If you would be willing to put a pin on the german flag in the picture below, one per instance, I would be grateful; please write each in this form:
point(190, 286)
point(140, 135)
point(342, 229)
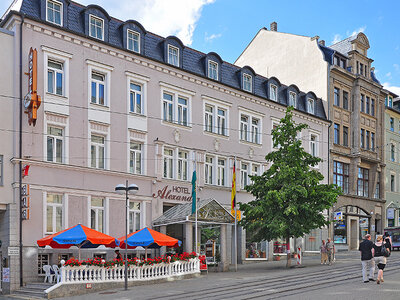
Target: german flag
point(233, 195)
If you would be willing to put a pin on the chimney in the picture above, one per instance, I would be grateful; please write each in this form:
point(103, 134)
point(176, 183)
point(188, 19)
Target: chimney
point(274, 26)
point(322, 42)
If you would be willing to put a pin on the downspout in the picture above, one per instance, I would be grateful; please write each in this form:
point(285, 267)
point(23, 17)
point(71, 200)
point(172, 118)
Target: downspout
point(21, 282)
point(329, 143)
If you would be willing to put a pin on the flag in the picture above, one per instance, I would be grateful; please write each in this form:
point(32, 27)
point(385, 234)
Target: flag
point(233, 195)
point(194, 192)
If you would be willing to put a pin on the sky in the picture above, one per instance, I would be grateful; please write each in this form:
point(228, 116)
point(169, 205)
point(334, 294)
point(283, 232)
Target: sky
point(228, 26)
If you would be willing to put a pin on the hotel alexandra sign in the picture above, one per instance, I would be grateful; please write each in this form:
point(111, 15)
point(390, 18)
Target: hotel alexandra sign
point(32, 100)
point(177, 193)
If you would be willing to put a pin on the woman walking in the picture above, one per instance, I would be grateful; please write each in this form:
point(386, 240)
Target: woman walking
point(324, 253)
point(380, 260)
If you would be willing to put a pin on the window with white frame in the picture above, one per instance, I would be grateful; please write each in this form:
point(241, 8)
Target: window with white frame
point(135, 157)
point(254, 124)
point(244, 175)
point(214, 114)
point(221, 171)
point(255, 130)
point(255, 170)
point(97, 151)
point(247, 82)
point(313, 145)
point(97, 215)
point(209, 117)
point(133, 41)
point(55, 77)
point(134, 216)
point(273, 91)
point(54, 12)
point(135, 98)
point(183, 165)
point(221, 121)
point(209, 170)
point(168, 163)
point(54, 213)
point(275, 125)
point(244, 127)
point(55, 144)
point(176, 108)
point(98, 82)
point(96, 27)
point(173, 55)
point(310, 106)
point(168, 107)
point(212, 70)
point(182, 111)
point(292, 99)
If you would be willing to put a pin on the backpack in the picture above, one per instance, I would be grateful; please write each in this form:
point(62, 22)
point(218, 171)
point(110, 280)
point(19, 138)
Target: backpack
point(385, 251)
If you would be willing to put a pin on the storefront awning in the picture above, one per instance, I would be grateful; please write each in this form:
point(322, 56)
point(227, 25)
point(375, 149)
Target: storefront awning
point(209, 211)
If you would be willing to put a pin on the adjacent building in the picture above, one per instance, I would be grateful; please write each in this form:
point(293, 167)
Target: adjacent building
point(343, 75)
point(121, 103)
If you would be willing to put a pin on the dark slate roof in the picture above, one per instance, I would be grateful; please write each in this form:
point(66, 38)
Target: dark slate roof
point(374, 78)
point(328, 53)
point(192, 61)
point(344, 46)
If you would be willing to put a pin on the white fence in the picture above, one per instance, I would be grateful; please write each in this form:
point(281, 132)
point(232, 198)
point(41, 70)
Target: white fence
point(93, 274)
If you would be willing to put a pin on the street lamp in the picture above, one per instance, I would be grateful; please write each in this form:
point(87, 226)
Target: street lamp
point(125, 189)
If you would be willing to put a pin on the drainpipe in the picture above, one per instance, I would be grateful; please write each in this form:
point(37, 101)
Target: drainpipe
point(21, 282)
point(329, 145)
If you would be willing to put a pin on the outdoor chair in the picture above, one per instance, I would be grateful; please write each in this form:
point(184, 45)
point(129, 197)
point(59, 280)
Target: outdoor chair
point(48, 275)
point(57, 273)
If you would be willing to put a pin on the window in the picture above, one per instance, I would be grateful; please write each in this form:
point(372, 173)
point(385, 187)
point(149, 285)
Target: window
point(362, 182)
point(336, 136)
point(1, 170)
point(362, 103)
point(372, 107)
point(221, 122)
point(310, 106)
point(255, 130)
point(54, 10)
point(367, 140)
point(97, 150)
point(391, 124)
point(97, 213)
point(252, 135)
point(98, 84)
point(135, 98)
point(244, 175)
point(362, 135)
point(173, 56)
point(168, 163)
point(209, 178)
point(54, 213)
point(55, 141)
point(43, 259)
point(209, 118)
point(183, 165)
point(367, 105)
point(182, 111)
point(55, 74)
point(372, 141)
point(292, 99)
point(133, 41)
point(212, 70)
point(247, 82)
point(343, 63)
point(336, 100)
point(345, 136)
point(390, 101)
point(134, 216)
point(135, 157)
point(168, 107)
point(392, 154)
point(392, 183)
point(341, 175)
point(221, 172)
point(273, 92)
point(176, 108)
point(96, 28)
point(313, 145)
point(378, 186)
point(345, 100)
point(244, 127)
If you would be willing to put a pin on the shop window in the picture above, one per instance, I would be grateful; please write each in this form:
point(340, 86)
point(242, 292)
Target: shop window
point(340, 231)
point(43, 259)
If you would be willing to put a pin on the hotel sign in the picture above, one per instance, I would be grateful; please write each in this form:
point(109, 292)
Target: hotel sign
point(177, 193)
point(32, 100)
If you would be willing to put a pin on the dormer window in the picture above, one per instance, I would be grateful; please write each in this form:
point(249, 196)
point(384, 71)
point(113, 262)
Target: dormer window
point(212, 70)
point(310, 106)
point(53, 12)
point(247, 83)
point(273, 92)
point(96, 28)
point(133, 41)
point(292, 99)
point(173, 55)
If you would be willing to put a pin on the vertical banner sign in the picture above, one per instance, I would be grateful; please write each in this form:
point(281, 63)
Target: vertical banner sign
point(32, 100)
point(25, 202)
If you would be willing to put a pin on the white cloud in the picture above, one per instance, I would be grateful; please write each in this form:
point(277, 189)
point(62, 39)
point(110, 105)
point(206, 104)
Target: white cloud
point(337, 38)
point(394, 89)
point(357, 31)
point(389, 74)
point(210, 38)
point(172, 17)
point(396, 67)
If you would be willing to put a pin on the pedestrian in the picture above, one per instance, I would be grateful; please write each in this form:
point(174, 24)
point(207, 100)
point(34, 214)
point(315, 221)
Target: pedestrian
point(330, 247)
point(324, 254)
point(380, 260)
point(367, 260)
point(387, 240)
point(118, 255)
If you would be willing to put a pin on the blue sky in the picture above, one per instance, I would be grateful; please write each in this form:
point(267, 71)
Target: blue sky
point(227, 26)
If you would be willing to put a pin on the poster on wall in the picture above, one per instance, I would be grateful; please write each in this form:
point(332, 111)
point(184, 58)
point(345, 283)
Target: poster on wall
point(390, 213)
point(6, 274)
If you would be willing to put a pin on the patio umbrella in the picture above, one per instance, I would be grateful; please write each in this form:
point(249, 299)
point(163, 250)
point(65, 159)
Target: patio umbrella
point(80, 236)
point(148, 238)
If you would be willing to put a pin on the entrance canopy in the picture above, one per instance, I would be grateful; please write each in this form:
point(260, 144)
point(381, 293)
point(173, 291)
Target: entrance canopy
point(209, 211)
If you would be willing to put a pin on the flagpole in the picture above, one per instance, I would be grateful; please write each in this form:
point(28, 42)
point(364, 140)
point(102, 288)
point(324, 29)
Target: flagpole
point(236, 247)
point(195, 226)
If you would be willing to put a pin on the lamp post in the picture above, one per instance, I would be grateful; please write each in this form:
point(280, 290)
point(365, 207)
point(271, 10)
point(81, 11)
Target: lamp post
point(131, 189)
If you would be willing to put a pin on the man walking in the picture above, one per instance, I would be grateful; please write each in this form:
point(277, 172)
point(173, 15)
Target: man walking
point(367, 260)
point(330, 247)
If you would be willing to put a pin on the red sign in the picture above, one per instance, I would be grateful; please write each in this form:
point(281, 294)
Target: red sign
point(203, 263)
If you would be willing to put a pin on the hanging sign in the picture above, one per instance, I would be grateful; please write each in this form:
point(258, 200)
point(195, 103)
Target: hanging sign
point(338, 216)
point(32, 100)
point(25, 199)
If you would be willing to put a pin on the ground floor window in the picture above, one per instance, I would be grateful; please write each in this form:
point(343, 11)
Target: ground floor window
point(255, 250)
point(43, 259)
point(280, 246)
point(364, 227)
point(340, 231)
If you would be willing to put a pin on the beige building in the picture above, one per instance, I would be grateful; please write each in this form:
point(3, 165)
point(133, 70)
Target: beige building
point(341, 73)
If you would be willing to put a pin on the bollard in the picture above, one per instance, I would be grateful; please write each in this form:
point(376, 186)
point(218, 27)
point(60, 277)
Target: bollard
point(299, 256)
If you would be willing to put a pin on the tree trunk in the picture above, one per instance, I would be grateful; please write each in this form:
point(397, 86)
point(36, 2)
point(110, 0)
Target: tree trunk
point(288, 259)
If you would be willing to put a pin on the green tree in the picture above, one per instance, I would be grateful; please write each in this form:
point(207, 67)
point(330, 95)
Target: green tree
point(289, 197)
